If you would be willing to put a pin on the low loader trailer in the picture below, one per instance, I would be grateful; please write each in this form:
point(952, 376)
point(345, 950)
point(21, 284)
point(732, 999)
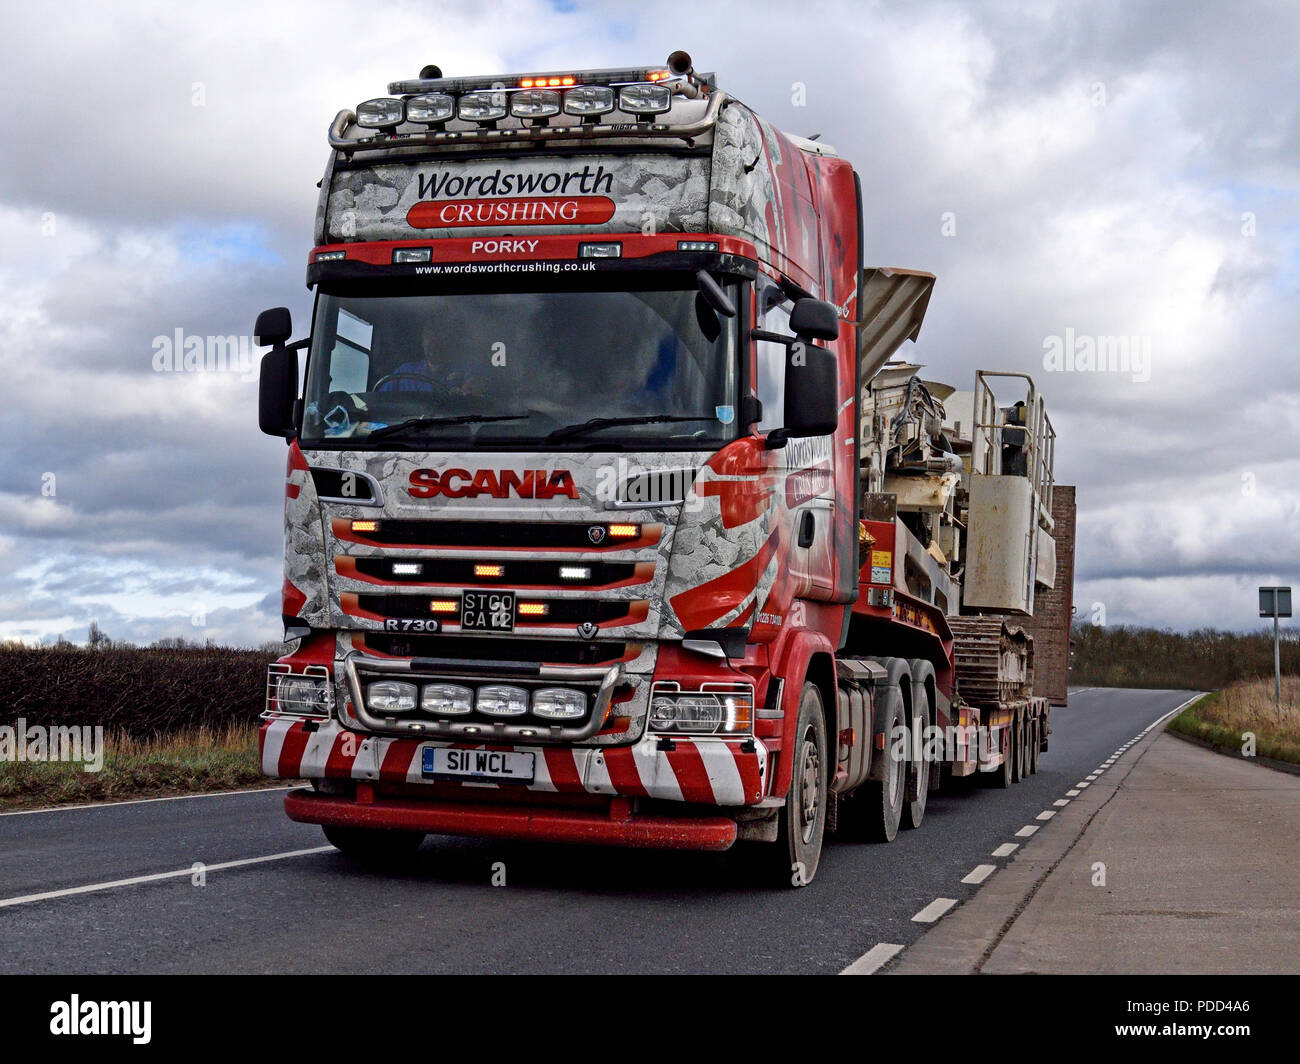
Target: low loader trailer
point(609, 515)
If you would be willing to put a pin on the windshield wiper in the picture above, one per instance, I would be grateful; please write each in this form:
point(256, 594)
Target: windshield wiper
point(569, 432)
point(453, 419)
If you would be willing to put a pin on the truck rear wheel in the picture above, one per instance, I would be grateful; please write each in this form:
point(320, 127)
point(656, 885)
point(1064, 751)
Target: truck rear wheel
point(919, 768)
point(803, 820)
point(882, 800)
point(374, 845)
point(1035, 739)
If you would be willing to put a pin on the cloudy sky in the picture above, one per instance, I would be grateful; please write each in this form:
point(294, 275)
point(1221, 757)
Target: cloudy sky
point(1090, 170)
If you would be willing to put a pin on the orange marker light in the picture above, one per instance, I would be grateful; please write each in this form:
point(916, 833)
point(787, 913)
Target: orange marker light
point(443, 606)
point(624, 530)
point(533, 609)
point(489, 570)
point(365, 526)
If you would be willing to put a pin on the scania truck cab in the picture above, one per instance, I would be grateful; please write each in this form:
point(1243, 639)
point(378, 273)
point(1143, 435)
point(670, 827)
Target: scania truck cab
point(574, 486)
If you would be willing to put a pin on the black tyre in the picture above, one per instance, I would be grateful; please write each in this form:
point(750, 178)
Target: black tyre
point(881, 801)
point(1020, 762)
point(919, 768)
point(1034, 742)
point(1002, 777)
point(798, 848)
point(374, 845)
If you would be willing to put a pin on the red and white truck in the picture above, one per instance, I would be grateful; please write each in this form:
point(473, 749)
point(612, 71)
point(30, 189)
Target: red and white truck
point(608, 518)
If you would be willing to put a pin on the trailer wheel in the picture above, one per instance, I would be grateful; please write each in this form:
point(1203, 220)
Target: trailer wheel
point(803, 820)
point(1020, 763)
point(1034, 740)
point(374, 845)
point(1003, 777)
point(919, 768)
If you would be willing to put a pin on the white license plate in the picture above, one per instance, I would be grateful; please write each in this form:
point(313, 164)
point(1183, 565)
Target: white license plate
point(493, 611)
point(493, 766)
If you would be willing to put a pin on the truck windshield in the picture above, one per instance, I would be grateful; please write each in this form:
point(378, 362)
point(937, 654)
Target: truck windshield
point(585, 368)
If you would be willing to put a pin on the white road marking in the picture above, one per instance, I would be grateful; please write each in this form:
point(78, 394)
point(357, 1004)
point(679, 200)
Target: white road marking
point(1046, 814)
point(1006, 849)
point(1026, 831)
point(934, 910)
point(979, 873)
point(1074, 792)
point(871, 961)
point(90, 888)
point(1061, 801)
point(145, 801)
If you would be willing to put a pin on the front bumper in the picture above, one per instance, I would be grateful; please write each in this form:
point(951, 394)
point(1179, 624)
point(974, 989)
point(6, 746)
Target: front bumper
point(612, 828)
point(702, 771)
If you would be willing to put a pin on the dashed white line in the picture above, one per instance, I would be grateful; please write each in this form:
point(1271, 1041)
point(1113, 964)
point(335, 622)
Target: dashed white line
point(1046, 814)
point(1026, 831)
point(1062, 801)
point(1074, 792)
point(979, 873)
point(1006, 849)
point(90, 888)
point(934, 910)
point(871, 961)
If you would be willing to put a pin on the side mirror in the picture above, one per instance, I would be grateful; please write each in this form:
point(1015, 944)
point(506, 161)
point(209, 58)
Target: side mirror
point(274, 327)
point(813, 319)
point(278, 391)
point(812, 402)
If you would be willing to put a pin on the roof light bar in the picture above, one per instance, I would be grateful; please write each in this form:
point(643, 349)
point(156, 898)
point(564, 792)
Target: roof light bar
point(548, 79)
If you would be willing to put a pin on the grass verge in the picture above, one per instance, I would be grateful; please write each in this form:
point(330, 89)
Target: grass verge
point(1226, 717)
point(188, 762)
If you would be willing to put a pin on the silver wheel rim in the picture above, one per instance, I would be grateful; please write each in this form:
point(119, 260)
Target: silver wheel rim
point(809, 787)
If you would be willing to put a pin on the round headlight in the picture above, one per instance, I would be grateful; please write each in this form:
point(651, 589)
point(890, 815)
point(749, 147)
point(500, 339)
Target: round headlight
point(663, 714)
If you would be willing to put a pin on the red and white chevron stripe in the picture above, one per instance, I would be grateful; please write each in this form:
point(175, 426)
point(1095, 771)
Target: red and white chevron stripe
point(705, 770)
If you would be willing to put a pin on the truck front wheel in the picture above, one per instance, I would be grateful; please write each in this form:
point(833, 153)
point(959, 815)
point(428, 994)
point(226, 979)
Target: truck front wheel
point(374, 845)
point(803, 820)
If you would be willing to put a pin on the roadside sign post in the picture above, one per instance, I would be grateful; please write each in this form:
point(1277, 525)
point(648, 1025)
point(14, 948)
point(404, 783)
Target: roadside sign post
point(1275, 602)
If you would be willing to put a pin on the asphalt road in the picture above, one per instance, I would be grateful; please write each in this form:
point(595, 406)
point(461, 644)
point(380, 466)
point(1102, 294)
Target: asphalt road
point(562, 909)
